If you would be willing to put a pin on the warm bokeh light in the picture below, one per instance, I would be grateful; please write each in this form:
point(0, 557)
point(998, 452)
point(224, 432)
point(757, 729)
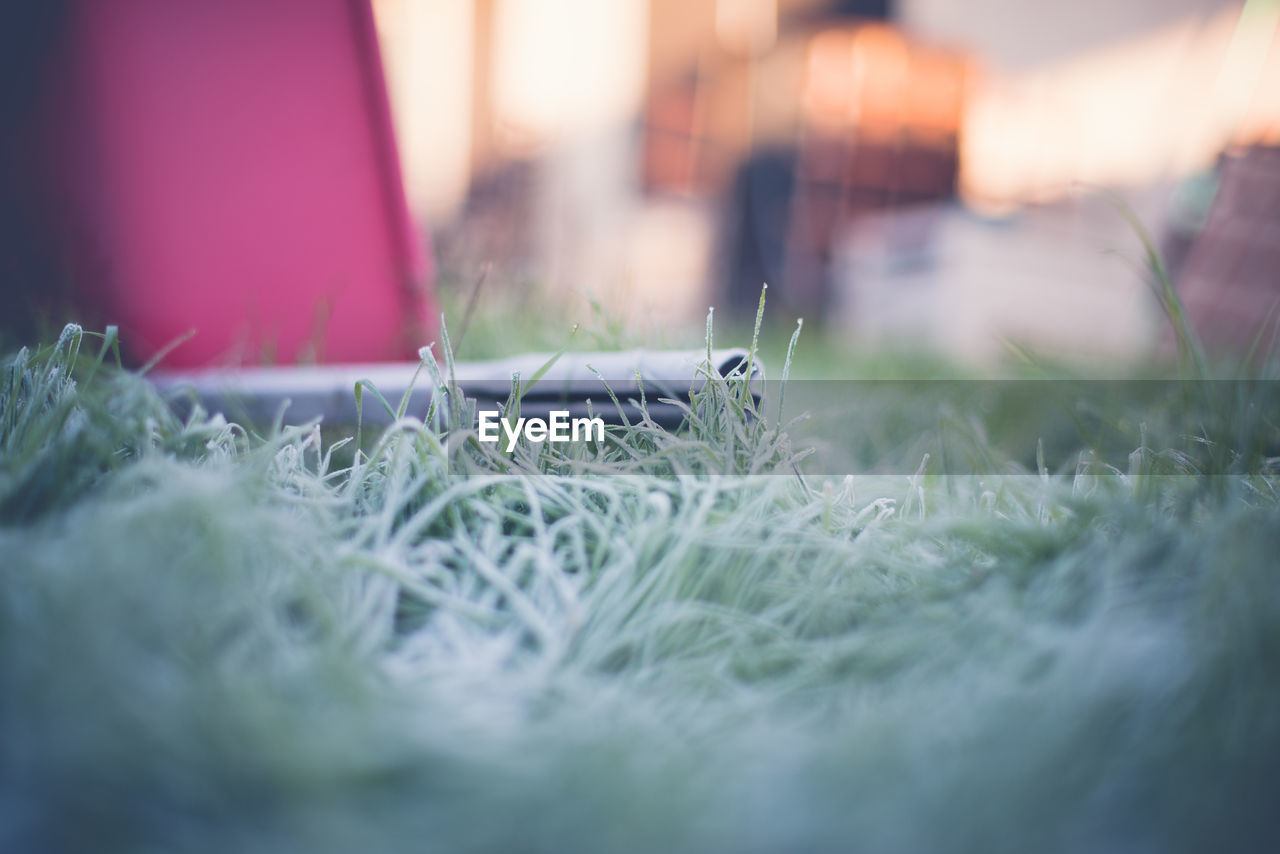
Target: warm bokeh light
point(747, 26)
point(567, 67)
point(428, 51)
point(872, 79)
point(1152, 108)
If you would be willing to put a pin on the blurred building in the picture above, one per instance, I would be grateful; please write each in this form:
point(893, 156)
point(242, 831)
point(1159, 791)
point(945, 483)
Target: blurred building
point(920, 168)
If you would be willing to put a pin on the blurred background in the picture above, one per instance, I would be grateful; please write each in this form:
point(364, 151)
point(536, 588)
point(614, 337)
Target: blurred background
point(904, 174)
point(901, 172)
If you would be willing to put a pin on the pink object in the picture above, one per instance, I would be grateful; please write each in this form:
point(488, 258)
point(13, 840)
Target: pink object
point(230, 166)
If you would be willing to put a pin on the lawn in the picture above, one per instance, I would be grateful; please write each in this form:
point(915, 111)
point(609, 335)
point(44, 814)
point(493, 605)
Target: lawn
point(226, 638)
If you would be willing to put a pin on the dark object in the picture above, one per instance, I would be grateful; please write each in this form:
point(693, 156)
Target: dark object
point(881, 10)
point(258, 395)
point(757, 223)
point(29, 263)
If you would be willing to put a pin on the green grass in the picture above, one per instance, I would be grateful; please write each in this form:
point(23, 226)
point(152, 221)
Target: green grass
point(514, 321)
point(215, 640)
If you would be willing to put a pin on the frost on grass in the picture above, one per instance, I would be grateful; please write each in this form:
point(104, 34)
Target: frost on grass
point(217, 640)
